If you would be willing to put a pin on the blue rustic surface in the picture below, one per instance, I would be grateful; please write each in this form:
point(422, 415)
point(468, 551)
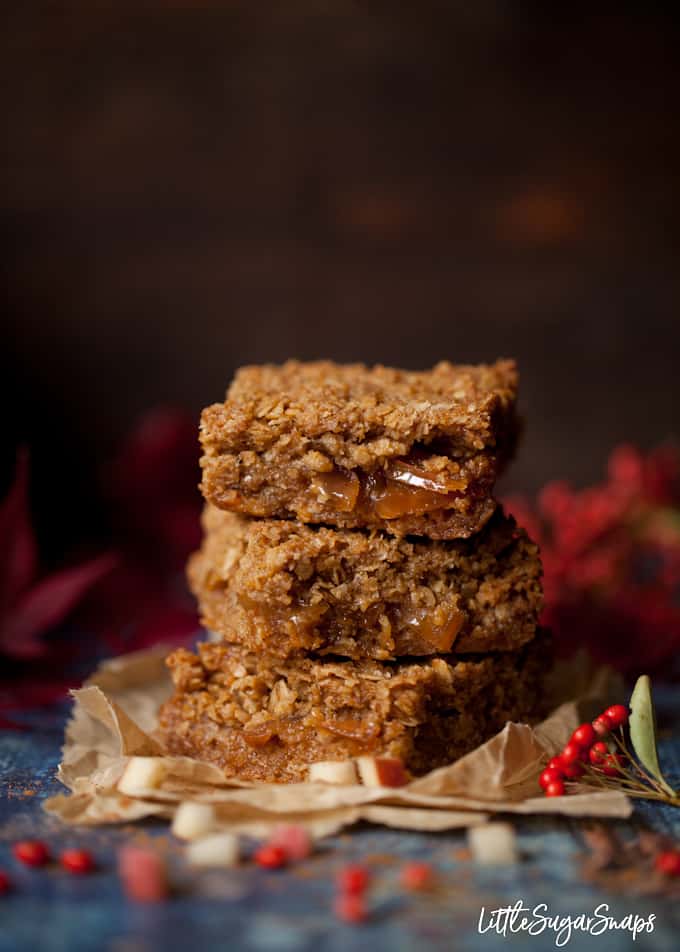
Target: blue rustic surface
point(277, 911)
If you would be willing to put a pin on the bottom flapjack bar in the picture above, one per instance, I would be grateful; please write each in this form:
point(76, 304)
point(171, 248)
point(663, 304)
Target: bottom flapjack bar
point(264, 719)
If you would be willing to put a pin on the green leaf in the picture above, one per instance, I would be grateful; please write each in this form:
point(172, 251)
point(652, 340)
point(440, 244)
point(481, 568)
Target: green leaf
point(643, 730)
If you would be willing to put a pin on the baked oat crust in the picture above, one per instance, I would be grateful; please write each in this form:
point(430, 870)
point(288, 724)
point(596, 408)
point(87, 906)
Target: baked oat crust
point(286, 432)
point(283, 587)
point(265, 719)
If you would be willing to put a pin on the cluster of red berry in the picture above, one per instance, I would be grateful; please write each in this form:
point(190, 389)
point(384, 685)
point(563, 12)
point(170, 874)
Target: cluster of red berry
point(353, 881)
point(37, 853)
point(586, 746)
point(611, 559)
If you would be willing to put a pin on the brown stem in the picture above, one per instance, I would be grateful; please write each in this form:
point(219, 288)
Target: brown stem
point(633, 765)
point(651, 781)
point(628, 784)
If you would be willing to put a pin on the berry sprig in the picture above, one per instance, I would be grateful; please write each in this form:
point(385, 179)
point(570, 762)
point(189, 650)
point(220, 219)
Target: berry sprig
point(607, 755)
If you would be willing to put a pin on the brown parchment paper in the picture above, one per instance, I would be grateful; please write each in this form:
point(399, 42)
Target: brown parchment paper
point(115, 718)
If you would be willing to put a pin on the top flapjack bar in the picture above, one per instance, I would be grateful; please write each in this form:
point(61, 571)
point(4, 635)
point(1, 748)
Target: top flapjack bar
point(410, 452)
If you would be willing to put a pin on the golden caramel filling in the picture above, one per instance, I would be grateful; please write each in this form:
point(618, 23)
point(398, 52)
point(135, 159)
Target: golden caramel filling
point(289, 730)
point(403, 471)
point(354, 728)
point(259, 735)
point(433, 630)
point(306, 617)
point(298, 623)
point(389, 499)
point(417, 630)
point(340, 489)
point(404, 488)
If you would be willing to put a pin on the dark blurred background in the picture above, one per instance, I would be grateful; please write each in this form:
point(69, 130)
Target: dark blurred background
point(192, 185)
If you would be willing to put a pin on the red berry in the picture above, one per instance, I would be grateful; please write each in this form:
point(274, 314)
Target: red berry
point(143, 874)
point(292, 838)
point(5, 884)
point(598, 753)
point(555, 789)
point(549, 775)
point(602, 725)
point(350, 908)
point(271, 856)
point(572, 771)
point(416, 876)
point(353, 879)
point(77, 861)
point(571, 754)
point(668, 863)
point(555, 763)
point(31, 852)
point(617, 714)
point(584, 735)
point(612, 765)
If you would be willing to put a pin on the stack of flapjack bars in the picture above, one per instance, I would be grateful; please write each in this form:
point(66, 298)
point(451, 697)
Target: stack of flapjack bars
point(365, 594)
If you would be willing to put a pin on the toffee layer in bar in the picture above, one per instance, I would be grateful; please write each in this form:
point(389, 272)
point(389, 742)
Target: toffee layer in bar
point(352, 446)
point(283, 587)
point(264, 719)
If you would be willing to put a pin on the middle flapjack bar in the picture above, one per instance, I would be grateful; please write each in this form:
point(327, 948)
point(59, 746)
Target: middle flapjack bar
point(283, 587)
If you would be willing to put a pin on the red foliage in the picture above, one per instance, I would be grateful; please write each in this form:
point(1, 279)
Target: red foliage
point(126, 599)
point(151, 487)
point(611, 558)
point(31, 606)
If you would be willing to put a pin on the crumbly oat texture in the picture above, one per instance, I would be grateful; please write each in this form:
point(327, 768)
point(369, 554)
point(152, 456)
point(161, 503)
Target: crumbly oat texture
point(283, 587)
point(264, 719)
point(352, 446)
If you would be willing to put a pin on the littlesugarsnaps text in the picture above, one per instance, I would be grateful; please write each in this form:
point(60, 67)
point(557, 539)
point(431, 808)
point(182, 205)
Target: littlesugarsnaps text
point(512, 920)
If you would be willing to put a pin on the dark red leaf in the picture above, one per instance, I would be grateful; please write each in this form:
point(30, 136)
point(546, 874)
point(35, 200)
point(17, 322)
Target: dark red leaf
point(152, 484)
point(47, 604)
point(168, 624)
point(18, 556)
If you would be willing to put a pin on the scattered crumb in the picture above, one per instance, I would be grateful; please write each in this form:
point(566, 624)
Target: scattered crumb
point(381, 859)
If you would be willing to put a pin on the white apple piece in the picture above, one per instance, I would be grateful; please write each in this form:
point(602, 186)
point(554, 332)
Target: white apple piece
point(193, 820)
point(218, 850)
point(493, 844)
point(333, 771)
point(140, 775)
point(382, 771)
